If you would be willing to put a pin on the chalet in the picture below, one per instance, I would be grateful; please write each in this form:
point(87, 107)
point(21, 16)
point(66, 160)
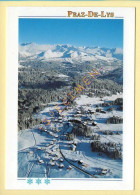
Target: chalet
point(89, 111)
point(84, 123)
point(80, 162)
point(69, 167)
point(61, 165)
point(52, 163)
point(60, 118)
point(78, 112)
point(39, 148)
point(61, 160)
point(75, 143)
point(40, 161)
point(78, 115)
point(31, 152)
point(102, 111)
point(94, 123)
point(104, 171)
point(49, 152)
point(73, 147)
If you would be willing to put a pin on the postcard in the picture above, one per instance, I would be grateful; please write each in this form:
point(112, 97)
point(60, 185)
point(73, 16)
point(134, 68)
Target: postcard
point(70, 98)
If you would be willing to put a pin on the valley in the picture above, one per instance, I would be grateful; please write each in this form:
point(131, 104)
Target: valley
point(85, 140)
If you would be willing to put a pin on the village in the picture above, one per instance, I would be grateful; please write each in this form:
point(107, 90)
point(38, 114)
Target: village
point(85, 140)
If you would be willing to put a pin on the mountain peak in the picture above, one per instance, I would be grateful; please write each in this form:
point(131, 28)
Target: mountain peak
point(65, 52)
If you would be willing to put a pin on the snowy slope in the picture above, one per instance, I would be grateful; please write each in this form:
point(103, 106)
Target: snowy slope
point(49, 147)
point(115, 75)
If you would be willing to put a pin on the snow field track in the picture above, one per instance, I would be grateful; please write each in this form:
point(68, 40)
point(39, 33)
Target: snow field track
point(30, 146)
point(29, 169)
point(96, 160)
point(105, 136)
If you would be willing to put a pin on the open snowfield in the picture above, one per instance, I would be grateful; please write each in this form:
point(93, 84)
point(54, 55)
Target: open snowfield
point(48, 154)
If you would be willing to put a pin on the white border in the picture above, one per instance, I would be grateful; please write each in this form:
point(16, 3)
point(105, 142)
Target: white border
point(13, 13)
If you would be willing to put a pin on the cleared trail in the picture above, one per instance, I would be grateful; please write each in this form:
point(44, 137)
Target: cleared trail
point(85, 172)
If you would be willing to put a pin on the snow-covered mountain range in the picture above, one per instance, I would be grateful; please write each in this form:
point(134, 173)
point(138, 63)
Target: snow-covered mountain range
point(68, 53)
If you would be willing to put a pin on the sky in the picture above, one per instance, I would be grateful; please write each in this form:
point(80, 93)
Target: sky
point(78, 32)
